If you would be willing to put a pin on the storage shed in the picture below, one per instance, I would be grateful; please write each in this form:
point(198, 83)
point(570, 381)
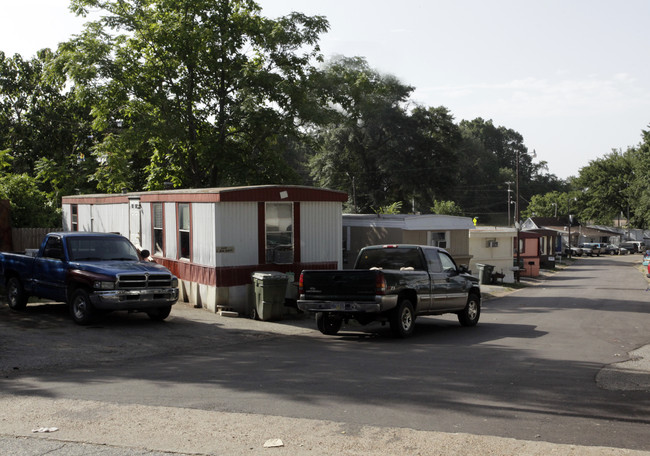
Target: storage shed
point(214, 239)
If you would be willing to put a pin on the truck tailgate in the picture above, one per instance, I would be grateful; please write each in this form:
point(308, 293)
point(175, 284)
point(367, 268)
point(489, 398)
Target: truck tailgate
point(340, 285)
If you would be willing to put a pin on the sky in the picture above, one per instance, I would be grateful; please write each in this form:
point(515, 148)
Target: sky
point(571, 76)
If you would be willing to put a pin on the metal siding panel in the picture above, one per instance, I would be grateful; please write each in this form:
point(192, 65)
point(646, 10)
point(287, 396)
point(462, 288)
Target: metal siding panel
point(111, 218)
point(147, 242)
point(203, 245)
point(83, 217)
point(66, 216)
point(321, 232)
point(236, 226)
point(171, 249)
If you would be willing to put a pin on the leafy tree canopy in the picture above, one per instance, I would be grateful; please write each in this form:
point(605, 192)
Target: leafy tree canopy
point(194, 92)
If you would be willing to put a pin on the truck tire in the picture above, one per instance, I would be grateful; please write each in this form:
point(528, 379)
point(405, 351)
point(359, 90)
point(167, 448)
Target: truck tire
point(16, 296)
point(328, 324)
point(159, 313)
point(470, 314)
point(402, 319)
point(81, 309)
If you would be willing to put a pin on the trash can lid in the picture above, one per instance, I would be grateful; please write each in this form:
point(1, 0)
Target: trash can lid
point(268, 275)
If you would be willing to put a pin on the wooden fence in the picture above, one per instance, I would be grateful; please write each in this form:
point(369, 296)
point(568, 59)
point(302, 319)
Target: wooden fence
point(28, 238)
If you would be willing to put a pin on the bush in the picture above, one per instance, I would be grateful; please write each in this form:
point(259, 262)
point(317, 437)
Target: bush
point(30, 207)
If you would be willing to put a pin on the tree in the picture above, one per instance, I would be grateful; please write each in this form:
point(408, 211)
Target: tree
point(637, 202)
point(555, 204)
point(44, 132)
point(491, 156)
point(195, 92)
point(446, 208)
point(30, 207)
point(358, 149)
point(605, 183)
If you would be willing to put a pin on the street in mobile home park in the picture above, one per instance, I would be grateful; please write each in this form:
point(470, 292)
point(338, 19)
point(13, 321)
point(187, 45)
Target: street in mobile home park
point(558, 365)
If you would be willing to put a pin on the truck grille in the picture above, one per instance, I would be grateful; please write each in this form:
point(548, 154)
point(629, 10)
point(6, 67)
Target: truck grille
point(132, 281)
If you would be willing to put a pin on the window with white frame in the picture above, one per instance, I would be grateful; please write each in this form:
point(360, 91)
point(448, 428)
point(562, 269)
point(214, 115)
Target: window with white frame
point(74, 217)
point(184, 244)
point(438, 239)
point(158, 228)
point(279, 233)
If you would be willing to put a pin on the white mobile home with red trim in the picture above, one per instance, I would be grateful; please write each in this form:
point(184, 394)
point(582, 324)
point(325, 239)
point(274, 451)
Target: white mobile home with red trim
point(213, 239)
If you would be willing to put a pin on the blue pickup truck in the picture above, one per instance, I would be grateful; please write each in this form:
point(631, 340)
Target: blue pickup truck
point(93, 273)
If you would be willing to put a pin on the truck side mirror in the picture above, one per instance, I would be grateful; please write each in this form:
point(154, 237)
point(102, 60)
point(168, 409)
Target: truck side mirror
point(145, 254)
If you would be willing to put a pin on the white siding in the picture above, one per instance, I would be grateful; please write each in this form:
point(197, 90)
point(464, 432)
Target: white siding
point(84, 216)
point(147, 242)
point(236, 227)
point(66, 216)
point(171, 235)
point(203, 246)
point(321, 232)
point(109, 218)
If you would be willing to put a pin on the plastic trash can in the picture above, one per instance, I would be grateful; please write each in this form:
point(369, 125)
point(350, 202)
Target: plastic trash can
point(485, 273)
point(270, 289)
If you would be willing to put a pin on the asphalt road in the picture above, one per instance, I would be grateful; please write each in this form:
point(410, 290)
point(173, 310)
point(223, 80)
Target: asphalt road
point(536, 368)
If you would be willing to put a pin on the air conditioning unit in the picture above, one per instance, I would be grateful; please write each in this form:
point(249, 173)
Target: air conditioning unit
point(493, 243)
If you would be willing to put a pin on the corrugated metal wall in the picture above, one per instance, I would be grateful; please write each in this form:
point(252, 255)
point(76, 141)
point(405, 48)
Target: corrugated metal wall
point(203, 247)
point(108, 218)
point(237, 228)
point(171, 247)
point(147, 242)
point(65, 215)
point(321, 232)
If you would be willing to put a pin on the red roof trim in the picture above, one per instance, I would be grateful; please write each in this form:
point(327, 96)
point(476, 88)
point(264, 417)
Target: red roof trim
point(264, 193)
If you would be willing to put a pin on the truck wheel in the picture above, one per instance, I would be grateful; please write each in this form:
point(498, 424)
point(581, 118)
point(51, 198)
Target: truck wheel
point(16, 296)
point(81, 309)
point(470, 314)
point(327, 323)
point(159, 313)
point(402, 319)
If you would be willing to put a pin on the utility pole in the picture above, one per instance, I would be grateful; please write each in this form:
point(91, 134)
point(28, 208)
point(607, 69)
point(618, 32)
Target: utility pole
point(509, 184)
point(517, 222)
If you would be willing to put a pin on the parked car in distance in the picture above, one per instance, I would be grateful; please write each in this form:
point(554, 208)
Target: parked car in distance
point(614, 249)
point(634, 246)
point(590, 248)
point(574, 251)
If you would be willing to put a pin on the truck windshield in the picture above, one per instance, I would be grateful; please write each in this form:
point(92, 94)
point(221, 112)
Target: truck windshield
point(93, 248)
point(390, 258)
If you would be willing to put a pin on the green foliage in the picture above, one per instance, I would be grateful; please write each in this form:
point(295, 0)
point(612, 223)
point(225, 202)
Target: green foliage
point(555, 204)
point(30, 207)
point(446, 208)
point(394, 208)
point(208, 90)
point(605, 184)
point(637, 204)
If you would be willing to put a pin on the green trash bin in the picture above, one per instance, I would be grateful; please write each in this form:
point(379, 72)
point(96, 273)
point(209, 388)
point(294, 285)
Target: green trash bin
point(270, 289)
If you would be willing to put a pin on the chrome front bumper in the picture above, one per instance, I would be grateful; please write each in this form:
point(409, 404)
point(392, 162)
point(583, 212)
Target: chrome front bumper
point(149, 298)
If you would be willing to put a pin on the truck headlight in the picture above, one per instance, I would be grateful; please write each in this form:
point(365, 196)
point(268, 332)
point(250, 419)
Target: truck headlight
point(99, 285)
point(174, 282)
